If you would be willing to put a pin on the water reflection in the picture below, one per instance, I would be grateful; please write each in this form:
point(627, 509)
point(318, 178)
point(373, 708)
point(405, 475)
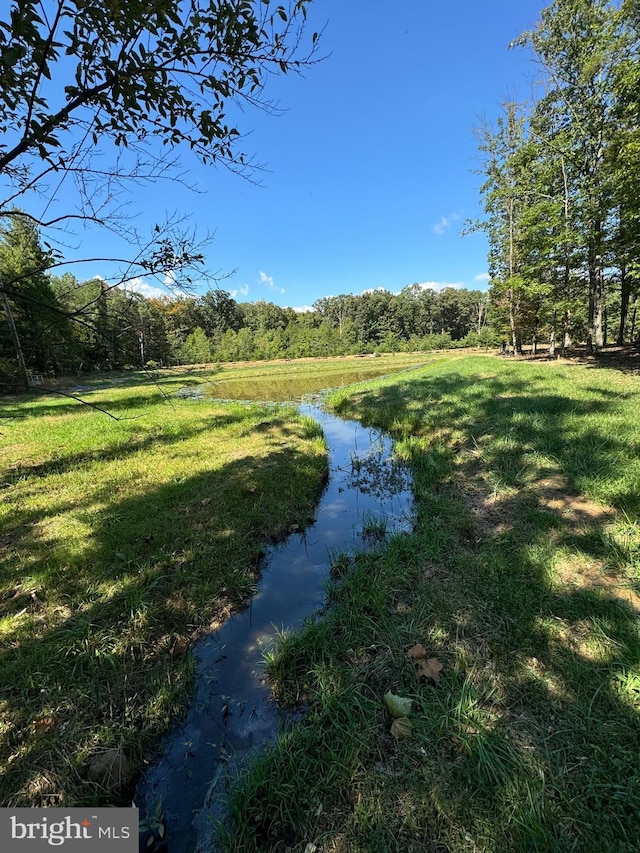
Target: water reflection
point(232, 713)
point(278, 388)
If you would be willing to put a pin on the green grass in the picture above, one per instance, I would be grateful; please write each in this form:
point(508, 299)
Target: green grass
point(522, 580)
point(121, 540)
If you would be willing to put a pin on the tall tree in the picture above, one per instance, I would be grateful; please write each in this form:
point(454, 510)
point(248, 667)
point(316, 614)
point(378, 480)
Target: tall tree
point(36, 328)
point(624, 156)
point(579, 43)
point(505, 166)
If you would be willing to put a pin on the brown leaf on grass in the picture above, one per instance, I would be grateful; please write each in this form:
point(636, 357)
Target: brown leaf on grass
point(425, 667)
point(401, 728)
point(429, 669)
point(178, 647)
point(416, 652)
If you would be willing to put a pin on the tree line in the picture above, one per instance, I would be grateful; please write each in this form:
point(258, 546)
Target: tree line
point(561, 190)
point(66, 326)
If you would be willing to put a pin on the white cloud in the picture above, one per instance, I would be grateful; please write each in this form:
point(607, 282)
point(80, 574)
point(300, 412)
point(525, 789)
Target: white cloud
point(441, 285)
point(268, 280)
point(240, 291)
point(303, 309)
point(138, 285)
point(484, 276)
point(441, 227)
point(445, 221)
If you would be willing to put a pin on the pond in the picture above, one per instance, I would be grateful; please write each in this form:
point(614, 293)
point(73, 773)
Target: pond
point(232, 715)
point(286, 384)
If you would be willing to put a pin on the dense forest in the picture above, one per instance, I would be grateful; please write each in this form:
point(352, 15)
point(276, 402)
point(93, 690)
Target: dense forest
point(68, 326)
point(561, 200)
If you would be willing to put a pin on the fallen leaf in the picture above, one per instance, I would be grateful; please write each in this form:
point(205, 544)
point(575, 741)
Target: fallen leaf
point(429, 669)
point(401, 728)
point(398, 706)
point(425, 667)
point(416, 652)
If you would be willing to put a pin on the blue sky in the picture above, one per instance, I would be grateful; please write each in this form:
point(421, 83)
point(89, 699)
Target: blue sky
point(370, 168)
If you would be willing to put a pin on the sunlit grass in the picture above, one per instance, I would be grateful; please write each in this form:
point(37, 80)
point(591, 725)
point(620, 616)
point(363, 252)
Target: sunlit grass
point(521, 578)
point(121, 541)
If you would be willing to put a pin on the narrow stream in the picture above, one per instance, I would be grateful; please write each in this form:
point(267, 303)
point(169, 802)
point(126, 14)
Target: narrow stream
point(232, 714)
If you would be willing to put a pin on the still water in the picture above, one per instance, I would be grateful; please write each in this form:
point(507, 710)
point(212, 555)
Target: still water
point(232, 714)
point(283, 386)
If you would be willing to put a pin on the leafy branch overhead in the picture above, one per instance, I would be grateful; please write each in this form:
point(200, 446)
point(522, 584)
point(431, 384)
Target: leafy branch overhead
point(81, 80)
point(130, 70)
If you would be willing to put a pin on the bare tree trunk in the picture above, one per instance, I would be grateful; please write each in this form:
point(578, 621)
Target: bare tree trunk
point(597, 288)
point(625, 295)
point(552, 335)
point(24, 373)
point(482, 314)
point(566, 337)
point(595, 338)
point(512, 324)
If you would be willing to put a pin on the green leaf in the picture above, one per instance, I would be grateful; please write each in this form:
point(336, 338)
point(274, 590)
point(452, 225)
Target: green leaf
point(402, 728)
point(398, 706)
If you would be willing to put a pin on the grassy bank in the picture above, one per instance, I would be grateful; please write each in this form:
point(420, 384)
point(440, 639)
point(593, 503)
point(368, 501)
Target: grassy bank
point(522, 582)
point(120, 541)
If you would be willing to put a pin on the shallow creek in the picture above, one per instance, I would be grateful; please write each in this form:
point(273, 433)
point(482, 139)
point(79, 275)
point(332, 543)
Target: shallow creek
point(232, 714)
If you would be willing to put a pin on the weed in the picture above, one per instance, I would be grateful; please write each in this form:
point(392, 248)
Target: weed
point(374, 527)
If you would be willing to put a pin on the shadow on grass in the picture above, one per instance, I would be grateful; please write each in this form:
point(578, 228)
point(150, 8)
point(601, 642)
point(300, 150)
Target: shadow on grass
point(135, 443)
point(531, 739)
point(96, 655)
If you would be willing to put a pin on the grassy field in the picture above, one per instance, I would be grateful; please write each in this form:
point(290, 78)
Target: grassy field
point(518, 597)
point(122, 537)
point(121, 540)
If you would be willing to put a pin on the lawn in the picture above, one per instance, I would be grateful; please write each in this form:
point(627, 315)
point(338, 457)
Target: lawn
point(518, 599)
point(121, 541)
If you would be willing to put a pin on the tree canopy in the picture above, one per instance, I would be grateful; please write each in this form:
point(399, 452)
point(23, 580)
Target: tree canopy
point(561, 192)
point(100, 92)
point(77, 74)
